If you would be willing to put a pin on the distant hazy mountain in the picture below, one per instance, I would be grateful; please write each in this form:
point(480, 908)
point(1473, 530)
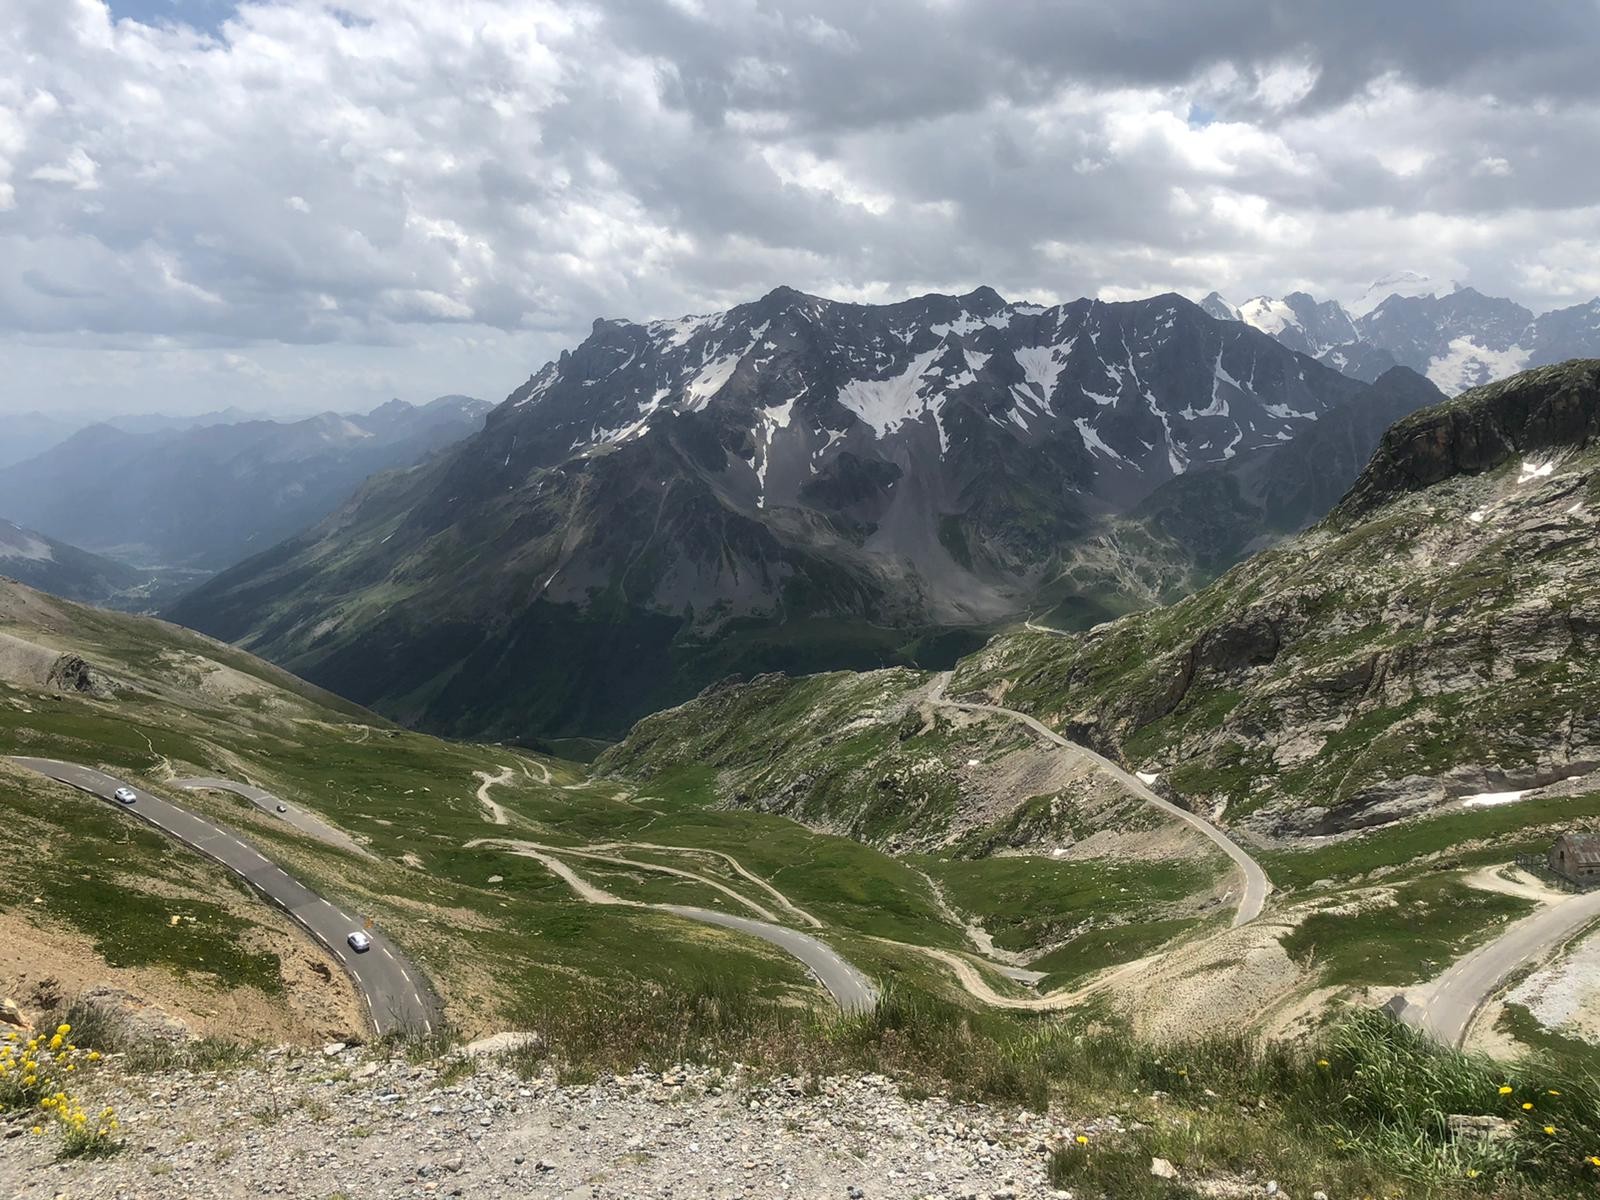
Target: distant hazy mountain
point(22, 435)
point(158, 422)
point(791, 484)
point(26, 435)
point(1460, 340)
point(63, 570)
point(205, 496)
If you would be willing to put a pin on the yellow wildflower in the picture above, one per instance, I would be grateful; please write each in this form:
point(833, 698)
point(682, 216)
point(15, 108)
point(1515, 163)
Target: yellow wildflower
point(1081, 1140)
point(63, 1030)
point(1527, 1106)
point(1550, 1129)
point(1505, 1089)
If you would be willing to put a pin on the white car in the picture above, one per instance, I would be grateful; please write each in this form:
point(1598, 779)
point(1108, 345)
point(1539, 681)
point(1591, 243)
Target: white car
point(125, 795)
point(359, 942)
point(283, 808)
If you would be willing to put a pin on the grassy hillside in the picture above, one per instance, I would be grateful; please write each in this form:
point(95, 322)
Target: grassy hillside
point(497, 932)
point(1429, 640)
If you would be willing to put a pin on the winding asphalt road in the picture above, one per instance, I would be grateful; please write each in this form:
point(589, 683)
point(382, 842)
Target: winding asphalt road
point(1256, 883)
point(852, 991)
point(1445, 1008)
point(303, 821)
point(395, 991)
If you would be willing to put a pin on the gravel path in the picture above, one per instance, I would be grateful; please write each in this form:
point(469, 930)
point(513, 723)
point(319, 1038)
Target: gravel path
point(493, 811)
point(850, 989)
point(314, 1125)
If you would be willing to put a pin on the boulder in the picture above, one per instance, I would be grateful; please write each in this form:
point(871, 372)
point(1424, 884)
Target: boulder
point(70, 673)
point(1474, 1127)
point(11, 1014)
point(131, 1019)
point(500, 1043)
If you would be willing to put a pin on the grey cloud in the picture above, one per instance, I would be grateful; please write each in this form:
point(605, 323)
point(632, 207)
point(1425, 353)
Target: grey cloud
point(485, 178)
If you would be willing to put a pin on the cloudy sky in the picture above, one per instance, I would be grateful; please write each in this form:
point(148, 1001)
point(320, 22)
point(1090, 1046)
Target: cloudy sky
point(296, 204)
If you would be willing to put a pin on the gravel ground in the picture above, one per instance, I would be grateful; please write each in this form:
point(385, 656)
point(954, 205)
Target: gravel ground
point(344, 1126)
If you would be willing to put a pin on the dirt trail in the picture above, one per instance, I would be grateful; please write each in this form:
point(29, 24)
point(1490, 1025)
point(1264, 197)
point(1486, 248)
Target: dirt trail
point(1008, 962)
point(493, 811)
point(738, 868)
point(594, 853)
point(966, 972)
point(1522, 885)
point(850, 989)
point(586, 891)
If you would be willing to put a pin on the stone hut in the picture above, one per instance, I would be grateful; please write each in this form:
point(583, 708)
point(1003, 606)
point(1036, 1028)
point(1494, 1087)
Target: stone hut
point(1576, 856)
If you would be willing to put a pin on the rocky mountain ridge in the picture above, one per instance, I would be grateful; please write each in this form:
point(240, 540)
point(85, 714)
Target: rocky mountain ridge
point(1428, 641)
point(1461, 339)
point(794, 484)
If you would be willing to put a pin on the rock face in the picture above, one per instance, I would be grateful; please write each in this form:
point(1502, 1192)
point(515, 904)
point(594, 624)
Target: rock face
point(1459, 340)
point(794, 484)
point(1539, 412)
point(1431, 638)
point(70, 673)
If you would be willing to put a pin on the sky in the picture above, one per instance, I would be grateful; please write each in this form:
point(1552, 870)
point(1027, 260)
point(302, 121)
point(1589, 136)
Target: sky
point(296, 205)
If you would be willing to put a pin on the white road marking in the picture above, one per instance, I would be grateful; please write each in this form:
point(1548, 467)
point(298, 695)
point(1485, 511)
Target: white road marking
point(184, 829)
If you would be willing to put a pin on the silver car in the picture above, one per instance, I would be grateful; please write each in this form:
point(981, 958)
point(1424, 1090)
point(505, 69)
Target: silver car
point(359, 942)
point(125, 795)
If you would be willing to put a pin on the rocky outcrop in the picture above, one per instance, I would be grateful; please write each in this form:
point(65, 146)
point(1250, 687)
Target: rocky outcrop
point(1538, 411)
point(71, 673)
point(1432, 639)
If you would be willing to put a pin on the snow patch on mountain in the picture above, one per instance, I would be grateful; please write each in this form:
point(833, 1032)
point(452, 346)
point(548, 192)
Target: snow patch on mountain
point(886, 404)
point(18, 544)
point(669, 335)
point(1270, 316)
point(1092, 440)
point(970, 323)
point(710, 380)
point(773, 418)
point(1468, 363)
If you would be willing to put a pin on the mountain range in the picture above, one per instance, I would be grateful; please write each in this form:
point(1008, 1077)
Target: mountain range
point(195, 496)
point(31, 433)
point(798, 484)
point(1458, 340)
point(1423, 645)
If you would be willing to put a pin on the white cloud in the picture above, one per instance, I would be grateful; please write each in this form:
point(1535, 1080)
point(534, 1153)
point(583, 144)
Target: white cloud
point(363, 182)
point(77, 171)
